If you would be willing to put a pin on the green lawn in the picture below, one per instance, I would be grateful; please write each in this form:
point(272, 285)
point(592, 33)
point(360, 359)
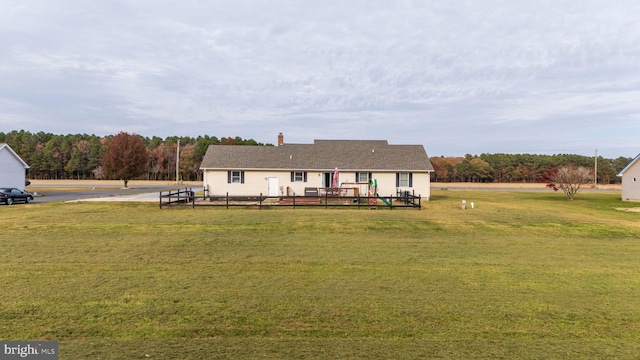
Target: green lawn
point(524, 275)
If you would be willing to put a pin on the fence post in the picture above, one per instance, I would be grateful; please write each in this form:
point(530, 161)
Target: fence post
point(160, 200)
point(227, 200)
point(294, 201)
point(260, 207)
point(391, 202)
point(326, 199)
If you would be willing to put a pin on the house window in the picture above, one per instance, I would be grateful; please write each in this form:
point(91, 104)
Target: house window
point(404, 180)
point(298, 176)
point(363, 177)
point(235, 177)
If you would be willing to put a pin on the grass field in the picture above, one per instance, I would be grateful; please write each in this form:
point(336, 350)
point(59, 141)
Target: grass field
point(526, 275)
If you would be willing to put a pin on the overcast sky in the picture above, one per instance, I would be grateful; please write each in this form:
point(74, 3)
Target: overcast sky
point(458, 76)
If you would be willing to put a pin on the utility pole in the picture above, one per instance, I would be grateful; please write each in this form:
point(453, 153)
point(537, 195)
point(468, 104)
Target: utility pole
point(178, 164)
point(595, 173)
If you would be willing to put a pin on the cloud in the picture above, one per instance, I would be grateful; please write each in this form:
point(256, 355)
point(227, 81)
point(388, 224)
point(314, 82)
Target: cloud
point(440, 73)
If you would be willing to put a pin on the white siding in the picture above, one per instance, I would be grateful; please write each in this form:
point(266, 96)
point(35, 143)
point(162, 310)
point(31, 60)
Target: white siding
point(12, 172)
point(256, 183)
point(631, 188)
point(387, 184)
point(422, 185)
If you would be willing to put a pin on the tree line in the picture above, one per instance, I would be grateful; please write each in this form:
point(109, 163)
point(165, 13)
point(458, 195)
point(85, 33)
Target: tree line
point(82, 156)
point(510, 168)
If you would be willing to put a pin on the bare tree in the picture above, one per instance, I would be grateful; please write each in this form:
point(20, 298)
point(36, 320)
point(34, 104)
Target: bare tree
point(569, 179)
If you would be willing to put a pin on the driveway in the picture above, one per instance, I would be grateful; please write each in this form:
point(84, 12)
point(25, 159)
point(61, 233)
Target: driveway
point(57, 192)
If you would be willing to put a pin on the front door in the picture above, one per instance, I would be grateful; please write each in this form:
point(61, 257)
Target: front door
point(273, 186)
point(327, 179)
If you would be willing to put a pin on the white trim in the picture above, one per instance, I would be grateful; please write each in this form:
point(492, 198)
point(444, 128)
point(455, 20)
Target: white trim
point(630, 165)
point(4, 145)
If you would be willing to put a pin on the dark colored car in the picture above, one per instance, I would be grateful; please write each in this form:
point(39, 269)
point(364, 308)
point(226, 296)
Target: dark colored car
point(11, 195)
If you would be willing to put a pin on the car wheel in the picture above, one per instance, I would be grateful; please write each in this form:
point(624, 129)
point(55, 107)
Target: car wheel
point(9, 201)
point(29, 200)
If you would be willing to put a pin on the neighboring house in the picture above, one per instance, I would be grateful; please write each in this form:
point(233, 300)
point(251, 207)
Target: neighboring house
point(13, 169)
point(631, 180)
point(299, 168)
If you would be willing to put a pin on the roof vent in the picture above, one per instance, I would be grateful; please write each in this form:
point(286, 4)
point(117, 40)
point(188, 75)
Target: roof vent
point(290, 157)
point(373, 151)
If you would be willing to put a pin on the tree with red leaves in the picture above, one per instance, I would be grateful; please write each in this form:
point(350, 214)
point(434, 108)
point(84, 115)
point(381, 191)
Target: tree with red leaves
point(125, 157)
point(568, 178)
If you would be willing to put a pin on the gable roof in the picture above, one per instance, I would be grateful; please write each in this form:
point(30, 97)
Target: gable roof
point(322, 155)
point(8, 148)
point(636, 159)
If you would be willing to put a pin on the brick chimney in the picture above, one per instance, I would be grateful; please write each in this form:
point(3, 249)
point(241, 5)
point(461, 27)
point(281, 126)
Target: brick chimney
point(280, 139)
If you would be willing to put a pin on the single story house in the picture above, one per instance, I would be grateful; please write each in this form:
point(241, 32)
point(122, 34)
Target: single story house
point(297, 169)
point(631, 180)
point(13, 169)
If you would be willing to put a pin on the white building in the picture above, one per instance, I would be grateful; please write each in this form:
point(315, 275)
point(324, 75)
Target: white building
point(13, 169)
point(289, 169)
point(631, 180)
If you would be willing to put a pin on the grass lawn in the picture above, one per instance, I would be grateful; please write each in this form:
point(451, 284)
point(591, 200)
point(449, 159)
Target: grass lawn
point(524, 275)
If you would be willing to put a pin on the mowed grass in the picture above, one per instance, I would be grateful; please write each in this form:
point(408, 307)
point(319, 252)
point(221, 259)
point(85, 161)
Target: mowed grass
point(524, 275)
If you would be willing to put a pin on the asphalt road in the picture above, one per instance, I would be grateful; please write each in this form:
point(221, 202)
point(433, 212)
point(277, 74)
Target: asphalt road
point(78, 192)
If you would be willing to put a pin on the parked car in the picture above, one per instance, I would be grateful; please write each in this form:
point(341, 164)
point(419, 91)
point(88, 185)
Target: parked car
point(11, 195)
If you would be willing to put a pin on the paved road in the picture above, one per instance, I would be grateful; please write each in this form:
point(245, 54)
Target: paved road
point(75, 194)
point(506, 188)
point(80, 191)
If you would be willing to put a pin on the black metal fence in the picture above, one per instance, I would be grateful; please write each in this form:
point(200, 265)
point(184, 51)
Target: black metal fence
point(188, 197)
point(409, 198)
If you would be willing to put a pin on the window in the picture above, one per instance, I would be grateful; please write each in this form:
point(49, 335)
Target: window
point(298, 176)
point(363, 177)
point(235, 177)
point(404, 180)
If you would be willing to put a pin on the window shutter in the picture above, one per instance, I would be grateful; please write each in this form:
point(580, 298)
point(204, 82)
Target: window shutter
point(370, 176)
point(305, 176)
point(293, 176)
point(228, 177)
point(397, 179)
point(241, 177)
point(410, 179)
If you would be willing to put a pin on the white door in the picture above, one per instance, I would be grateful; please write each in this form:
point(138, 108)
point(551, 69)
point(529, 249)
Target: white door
point(273, 186)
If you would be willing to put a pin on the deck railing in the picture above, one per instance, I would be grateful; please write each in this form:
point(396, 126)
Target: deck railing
point(326, 199)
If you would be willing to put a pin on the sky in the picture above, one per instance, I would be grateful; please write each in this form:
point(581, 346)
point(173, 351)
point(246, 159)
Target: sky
point(457, 76)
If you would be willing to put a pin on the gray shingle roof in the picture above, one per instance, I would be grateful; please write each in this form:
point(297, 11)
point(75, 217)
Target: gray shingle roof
point(322, 155)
